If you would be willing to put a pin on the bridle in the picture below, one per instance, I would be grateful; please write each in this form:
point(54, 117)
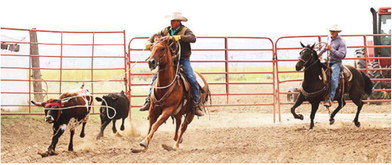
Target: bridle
point(177, 68)
point(303, 91)
point(309, 59)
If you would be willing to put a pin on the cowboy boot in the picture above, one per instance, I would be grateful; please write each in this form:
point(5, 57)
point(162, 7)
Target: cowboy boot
point(146, 106)
point(197, 110)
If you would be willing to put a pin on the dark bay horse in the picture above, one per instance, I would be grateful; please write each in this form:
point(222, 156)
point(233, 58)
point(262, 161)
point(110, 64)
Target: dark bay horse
point(167, 98)
point(314, 90)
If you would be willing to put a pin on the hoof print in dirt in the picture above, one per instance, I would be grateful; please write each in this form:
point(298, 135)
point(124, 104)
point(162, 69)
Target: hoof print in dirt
point(47, 153)
point(168, 148)
point(136, 150)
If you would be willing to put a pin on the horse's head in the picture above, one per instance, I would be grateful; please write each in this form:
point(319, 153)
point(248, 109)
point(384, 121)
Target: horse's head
point(158, 52)
point(306, 57)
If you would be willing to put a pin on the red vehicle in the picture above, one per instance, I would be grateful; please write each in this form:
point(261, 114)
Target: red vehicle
point(382, 25)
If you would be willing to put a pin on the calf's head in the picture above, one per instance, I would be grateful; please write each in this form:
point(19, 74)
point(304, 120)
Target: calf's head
point(51, 108)
point(108, 100)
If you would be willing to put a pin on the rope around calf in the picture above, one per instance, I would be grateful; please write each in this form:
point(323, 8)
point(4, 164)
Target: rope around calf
point(86, 105)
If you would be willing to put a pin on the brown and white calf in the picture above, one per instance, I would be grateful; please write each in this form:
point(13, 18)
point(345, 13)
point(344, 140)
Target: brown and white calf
point(69, 110)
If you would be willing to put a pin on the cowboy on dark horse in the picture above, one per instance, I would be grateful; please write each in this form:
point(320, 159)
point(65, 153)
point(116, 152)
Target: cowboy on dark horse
point(337, 51)
point(178, 32)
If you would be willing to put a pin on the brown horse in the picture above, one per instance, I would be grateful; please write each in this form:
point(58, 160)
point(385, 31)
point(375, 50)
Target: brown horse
point(169, 97)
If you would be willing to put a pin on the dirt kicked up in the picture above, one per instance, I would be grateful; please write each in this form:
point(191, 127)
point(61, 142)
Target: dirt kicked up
point(219, 137)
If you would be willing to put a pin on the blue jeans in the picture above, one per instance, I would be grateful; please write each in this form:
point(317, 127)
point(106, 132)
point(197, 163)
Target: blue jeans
point(190, 75)
point(335, 67)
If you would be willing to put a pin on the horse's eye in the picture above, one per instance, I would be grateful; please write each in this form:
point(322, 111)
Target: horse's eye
point(162, 49)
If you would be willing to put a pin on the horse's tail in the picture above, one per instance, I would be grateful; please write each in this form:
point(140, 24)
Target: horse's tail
point(209, 96)
point(368, 84)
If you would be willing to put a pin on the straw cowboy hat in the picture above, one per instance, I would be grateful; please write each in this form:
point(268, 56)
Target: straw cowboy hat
point(176, 16)
point(335, 28)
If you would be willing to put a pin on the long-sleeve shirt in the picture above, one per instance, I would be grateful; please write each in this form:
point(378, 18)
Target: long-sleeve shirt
point(338, 48)
point(186, 38)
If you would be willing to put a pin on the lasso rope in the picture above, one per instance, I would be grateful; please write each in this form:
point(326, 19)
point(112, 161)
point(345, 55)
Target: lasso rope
point(87, 106)
point(177, 69)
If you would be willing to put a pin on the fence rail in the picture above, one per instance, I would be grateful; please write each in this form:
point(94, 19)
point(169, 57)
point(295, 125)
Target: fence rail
point(229, 63)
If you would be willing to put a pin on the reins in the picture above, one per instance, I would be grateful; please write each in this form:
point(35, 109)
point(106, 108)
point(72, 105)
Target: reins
point(303, 91)
point(177, 68)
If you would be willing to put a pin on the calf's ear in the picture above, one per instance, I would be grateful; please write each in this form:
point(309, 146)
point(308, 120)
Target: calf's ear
point(99, 99)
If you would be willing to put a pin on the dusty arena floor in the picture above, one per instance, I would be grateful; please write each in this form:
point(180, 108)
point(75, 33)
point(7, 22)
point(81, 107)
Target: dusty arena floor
point(223, 136)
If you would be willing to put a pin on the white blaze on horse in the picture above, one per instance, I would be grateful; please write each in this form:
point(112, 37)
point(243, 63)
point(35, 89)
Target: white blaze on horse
point(69, 110)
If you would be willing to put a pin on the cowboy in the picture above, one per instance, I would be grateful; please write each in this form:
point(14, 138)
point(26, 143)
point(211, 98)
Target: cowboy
point(337, 51)
point(178, 32)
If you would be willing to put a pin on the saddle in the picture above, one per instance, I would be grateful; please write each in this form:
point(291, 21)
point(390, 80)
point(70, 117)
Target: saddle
point(187, 85)
point(344, 79)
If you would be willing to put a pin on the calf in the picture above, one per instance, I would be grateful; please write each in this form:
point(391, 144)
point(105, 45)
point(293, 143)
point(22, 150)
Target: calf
point(114, 106)
point(70, 110)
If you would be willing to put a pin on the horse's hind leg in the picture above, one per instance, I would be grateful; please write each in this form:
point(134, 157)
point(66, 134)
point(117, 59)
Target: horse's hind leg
point(297, 103)
point(359, 104)
point(178, 124)
point(188, 119)
point(340, 106)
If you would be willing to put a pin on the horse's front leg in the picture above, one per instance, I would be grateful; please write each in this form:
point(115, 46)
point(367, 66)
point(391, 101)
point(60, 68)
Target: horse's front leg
point(165, 115)
point(315, 106)
point(297, 103)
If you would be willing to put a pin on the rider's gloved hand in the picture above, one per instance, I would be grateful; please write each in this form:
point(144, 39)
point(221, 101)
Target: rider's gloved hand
point(176, 37)
point(148, 45)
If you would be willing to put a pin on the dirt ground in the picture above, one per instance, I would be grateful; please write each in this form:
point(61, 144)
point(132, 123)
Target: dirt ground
point(222, 136)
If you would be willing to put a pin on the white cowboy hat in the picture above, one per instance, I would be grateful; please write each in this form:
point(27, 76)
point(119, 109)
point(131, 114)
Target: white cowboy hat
point(335, 28)
point(176, 16)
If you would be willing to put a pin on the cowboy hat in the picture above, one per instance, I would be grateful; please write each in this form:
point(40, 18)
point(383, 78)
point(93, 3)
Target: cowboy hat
point(176, 16)
point(335, 28)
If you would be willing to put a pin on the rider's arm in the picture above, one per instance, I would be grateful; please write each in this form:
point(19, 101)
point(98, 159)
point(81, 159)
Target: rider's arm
point(188, 36)
point(322, 51)
point(340, 51)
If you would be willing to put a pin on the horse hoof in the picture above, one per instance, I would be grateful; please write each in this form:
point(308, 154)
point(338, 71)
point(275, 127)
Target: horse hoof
point(358, 124)
point(143, 143)
point(331, 121)
point(301, 117)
